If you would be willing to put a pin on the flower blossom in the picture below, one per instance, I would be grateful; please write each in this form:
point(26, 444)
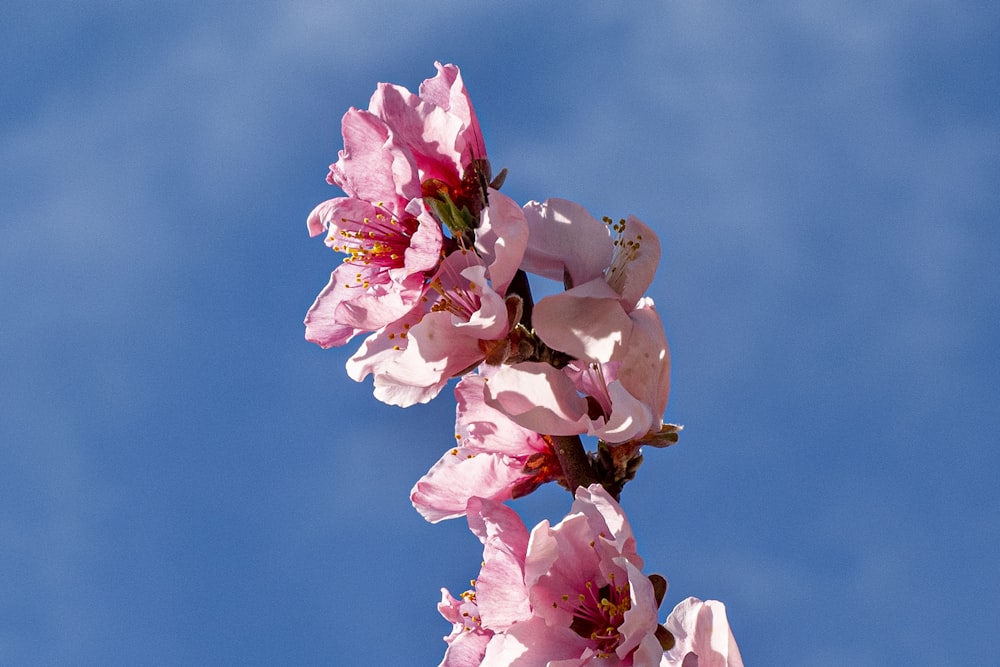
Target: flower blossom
point(497, 599)
point(590, 602)
point(617, 385)
point(702, 636)
point(494, 459)
point(390, 254)
point(430, 143)
point(409, 163)
point(461, 318)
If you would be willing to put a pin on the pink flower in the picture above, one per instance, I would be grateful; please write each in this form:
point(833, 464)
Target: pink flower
point(404, 158)
point(619, 400)
point(425, 145)
point(702, 636)
point(468, 639)
point(591, 604)
point(617, 386)
point(495, 459)
point(589, 321)
point(498, 598)
point(460, 319)
point(390, 255)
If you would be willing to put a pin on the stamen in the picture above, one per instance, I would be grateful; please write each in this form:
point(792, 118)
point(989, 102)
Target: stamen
point(599, 612)
point(373, 244)
point(625, 250)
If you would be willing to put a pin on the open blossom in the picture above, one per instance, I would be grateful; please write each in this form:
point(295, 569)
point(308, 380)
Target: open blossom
point(494, 459)
point(428, 145)
point(617, 386)
point(591, 604)
point(498, 598)
point(406, 159)
point(461, 317)
point(702, 636)
point(390, 253)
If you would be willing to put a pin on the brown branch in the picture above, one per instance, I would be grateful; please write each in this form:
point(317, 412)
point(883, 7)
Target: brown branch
point(575, 464)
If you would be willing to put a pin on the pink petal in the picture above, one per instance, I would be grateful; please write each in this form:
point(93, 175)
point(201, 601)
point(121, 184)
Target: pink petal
point(371, 166)
point(586, 322)
point(605, 515)
point(500, 591)
point(425, 130)
point(645, 369)
point(485, 429)
point(630, 418)
point(466, 650)
point(323, 325)
point(538, 397)
point(501, 239)
point(447, 91)
point(641, 619)
point(424, 252)
point(701, 629)
point(636, 256)
point(566, 241)
point(533, 643)
point(444, 492)
point(381, 348)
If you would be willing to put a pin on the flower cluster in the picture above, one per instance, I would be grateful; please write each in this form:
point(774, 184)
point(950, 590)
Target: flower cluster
point(435, 280)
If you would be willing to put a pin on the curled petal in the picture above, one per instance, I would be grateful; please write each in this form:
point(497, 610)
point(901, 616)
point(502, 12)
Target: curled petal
point(372, 166)
point(566, 242)
point(702, 632)
point(447, 90)
point(425, 130)
point(645, 369)
point(587, 322)
point(500, 590)
point(323, 325)
point(636, 256)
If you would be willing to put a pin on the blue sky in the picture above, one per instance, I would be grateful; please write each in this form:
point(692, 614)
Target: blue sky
point(185, 480)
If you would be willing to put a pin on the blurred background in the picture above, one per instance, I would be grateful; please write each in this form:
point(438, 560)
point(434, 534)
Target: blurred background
point(185, 480)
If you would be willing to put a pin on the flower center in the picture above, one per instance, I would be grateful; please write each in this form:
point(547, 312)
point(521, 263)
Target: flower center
point(598, 613)
point(374, 244)
point(592, 380)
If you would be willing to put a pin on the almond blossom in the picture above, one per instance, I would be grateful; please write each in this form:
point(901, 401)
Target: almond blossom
point(494, 459)
point(409, 163)
point(390, 254)
point(617, 386)
point(430, 144)
point(434, 277)
point(498, 598)
point(460, 319)
point(591, 604)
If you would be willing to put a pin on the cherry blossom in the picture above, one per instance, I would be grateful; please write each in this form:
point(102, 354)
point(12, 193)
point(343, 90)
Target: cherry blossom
point(494, 459)
point(702, 636)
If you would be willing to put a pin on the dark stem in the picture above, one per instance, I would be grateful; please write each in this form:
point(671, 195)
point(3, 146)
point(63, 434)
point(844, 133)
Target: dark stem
point(520, 286)
point(575, 464)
